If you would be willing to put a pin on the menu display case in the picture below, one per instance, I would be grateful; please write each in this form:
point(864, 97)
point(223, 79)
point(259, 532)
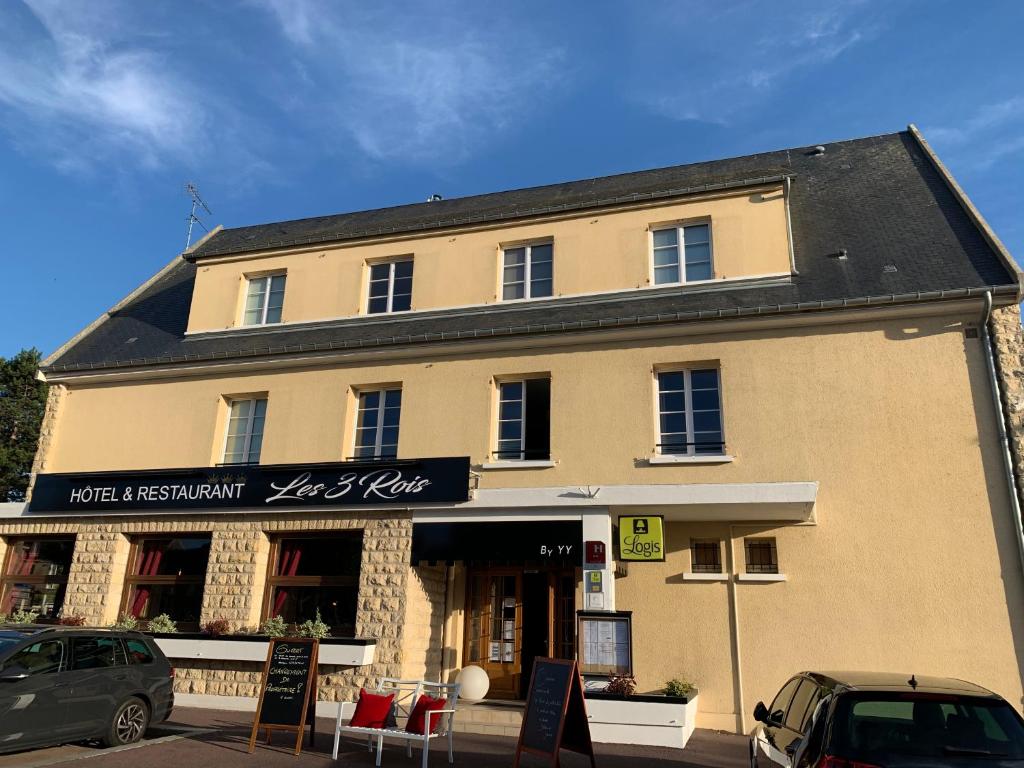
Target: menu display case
point(605, 642)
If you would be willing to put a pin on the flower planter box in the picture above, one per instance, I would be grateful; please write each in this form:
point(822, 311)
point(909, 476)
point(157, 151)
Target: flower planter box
point(340, 651)
point(657, 721)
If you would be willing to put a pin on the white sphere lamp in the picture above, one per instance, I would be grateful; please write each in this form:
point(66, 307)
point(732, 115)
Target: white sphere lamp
point(474, 683)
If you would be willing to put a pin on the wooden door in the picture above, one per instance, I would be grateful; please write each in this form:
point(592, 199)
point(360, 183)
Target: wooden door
point(494, 621)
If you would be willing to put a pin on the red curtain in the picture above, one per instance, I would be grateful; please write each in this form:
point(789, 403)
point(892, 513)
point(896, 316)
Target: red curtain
point(26, 560)
point(149, 565)
point(291, 554)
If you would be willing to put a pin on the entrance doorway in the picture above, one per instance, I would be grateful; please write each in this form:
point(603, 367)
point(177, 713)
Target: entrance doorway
point(514, 615)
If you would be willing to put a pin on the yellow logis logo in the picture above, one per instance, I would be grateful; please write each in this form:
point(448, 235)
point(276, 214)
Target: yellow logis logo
point(641, 538)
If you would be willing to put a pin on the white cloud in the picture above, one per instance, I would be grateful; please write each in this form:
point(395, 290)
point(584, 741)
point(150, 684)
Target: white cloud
point(75, 90)
point(984, 136)
point(422, 86)
point(723, 61)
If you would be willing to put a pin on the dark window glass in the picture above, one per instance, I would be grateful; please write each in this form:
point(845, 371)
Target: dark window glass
point(888, 726)
point(40, 658)
point(138, 651)
point(36, 575)
point(706, 556)
point(97, 652)
point(781, 702)
point(377, 424)
point(321, 573)
point(167, 576)
point(798, 707)
point(761, 556)
point(390, 287)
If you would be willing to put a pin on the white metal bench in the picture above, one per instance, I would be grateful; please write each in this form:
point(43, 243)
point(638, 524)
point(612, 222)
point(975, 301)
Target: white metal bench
point(406, 693)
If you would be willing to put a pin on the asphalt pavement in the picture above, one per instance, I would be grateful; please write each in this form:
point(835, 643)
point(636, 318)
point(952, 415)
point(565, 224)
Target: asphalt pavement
point(205, 737)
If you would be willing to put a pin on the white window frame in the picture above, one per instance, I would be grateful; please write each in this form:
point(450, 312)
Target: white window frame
point(390, 263)
point(498, 452)
point(265, 298)
point(248, 429)
point(378, 438)
point(528, 272)
point(691, 450)
point(680, 228)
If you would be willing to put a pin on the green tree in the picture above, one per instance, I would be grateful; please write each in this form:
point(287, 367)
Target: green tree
point(22, 402)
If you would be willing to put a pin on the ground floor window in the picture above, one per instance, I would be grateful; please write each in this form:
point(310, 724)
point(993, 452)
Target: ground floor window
point(35, 575)
point(762, 556)
point(166, 575)
point(705, 556)
point(316, 573)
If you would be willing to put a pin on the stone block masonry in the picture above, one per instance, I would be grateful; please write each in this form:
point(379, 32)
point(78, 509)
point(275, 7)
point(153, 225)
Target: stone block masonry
point(1008, 345)
point(399, 606)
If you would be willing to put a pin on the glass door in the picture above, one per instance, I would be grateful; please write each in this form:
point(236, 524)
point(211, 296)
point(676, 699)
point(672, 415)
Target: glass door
point(494, 628)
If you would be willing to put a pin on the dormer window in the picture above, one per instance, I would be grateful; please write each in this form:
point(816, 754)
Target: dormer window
point(264, 299)
point(527, 272)
point(390, 287)
point(682, 254)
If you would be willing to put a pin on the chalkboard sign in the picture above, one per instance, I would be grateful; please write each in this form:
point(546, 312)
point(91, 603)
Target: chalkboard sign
point(556, 716)
point(288, 687)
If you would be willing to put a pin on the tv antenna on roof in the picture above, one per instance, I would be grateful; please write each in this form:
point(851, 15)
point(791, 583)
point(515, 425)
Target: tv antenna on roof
point(193, 192)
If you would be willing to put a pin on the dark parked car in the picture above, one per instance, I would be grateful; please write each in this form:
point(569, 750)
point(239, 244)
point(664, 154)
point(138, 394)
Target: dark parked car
point(872, 720)
point(61, 684)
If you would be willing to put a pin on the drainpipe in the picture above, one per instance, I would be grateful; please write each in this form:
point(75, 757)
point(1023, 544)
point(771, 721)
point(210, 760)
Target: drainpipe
point(1004, 439)
point(734, 606)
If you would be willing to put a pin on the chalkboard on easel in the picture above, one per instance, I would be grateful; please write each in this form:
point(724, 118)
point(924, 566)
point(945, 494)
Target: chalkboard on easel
point(288, 689)
point(556, 715)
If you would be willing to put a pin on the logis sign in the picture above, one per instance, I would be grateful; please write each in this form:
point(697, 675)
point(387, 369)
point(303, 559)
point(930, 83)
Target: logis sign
point(642, 538)
point(344, 483)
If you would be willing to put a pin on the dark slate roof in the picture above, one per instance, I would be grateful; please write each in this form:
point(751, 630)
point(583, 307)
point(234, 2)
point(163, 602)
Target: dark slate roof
point(880, 198)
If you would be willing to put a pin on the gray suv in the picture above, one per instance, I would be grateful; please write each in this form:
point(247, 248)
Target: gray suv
point(62, 684)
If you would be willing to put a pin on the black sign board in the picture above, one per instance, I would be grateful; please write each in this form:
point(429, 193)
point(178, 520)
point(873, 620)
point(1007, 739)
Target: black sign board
point(415, 481)
point(556, 715)
point(550, 542)
point(288, 693)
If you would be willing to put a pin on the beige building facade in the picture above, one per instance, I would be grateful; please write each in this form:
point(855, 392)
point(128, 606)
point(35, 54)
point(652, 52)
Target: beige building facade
point(429, 423)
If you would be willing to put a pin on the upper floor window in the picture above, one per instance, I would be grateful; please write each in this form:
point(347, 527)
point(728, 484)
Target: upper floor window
point(524, 420)
point(527, 272)
point(264, 299)
point(682, 254)
point(390, 287)
point(245, 431)
point(377, 424)
point(690, 412)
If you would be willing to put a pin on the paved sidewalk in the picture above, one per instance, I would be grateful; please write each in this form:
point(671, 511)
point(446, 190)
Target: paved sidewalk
point(204, 737)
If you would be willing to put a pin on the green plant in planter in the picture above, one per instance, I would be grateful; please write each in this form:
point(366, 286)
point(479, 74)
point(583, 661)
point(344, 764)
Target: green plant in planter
point(679, 688)
point(125, 623)
point(23, 617)
point(621, 685)
point(314, 628)
point(162, 623)
point(275, 627)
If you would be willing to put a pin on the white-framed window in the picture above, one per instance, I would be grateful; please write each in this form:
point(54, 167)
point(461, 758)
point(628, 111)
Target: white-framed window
point(682, 254)
point(245, 431)
point(264, 299)
point(524, 420)
point(377, 421)
point(690, 412)
point(390, 288)
point(527, 272)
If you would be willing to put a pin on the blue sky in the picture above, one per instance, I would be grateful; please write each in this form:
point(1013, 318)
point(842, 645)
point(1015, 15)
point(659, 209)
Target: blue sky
point(282, 109)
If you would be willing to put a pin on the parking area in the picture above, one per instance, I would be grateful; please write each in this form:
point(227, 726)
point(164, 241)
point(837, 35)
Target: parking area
point(200, 737)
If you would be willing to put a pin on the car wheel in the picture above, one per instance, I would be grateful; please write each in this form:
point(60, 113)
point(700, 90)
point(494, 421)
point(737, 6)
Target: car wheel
point(128, 724)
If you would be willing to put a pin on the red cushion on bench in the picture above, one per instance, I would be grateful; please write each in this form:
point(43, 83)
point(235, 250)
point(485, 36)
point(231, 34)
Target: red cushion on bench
point(423, 705)
point(371, 710)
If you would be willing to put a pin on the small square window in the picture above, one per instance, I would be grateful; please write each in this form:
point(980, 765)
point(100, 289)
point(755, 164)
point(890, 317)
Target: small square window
point(761, 555)
point(705, 556)
point(390, 287)
point(682, 254)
